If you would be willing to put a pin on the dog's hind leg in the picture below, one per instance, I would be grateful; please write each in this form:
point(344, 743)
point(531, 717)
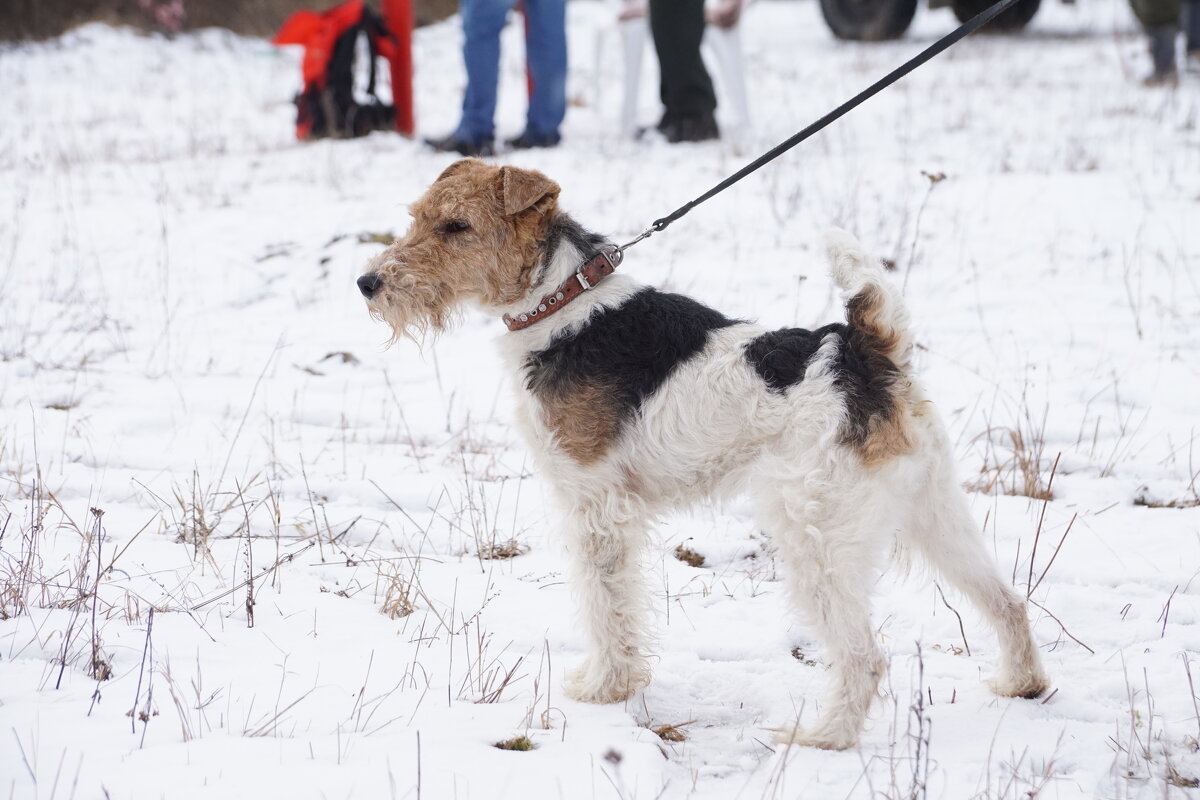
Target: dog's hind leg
point(605, 545)
point(945, 534)
point(832, 562)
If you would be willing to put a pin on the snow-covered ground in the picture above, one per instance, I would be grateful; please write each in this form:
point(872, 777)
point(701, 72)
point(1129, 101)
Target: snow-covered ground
point(183, 350)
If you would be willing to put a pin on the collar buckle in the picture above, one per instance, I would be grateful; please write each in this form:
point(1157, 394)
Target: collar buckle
point(614, 256)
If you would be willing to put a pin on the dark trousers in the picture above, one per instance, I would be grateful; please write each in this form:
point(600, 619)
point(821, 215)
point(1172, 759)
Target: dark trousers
point(1156, 13)
point(1191, 24)
point(686, 88)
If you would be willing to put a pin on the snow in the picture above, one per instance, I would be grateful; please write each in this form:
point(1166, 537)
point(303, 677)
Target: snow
point(177, 283)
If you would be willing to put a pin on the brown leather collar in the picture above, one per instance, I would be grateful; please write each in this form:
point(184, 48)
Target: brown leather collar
point(594, 270)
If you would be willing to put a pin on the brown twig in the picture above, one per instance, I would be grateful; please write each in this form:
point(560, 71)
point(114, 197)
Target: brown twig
point(1192, 691)
point(1166, 612)
point(962, 631)
point(1037, 534)
point(284, 559)
point(1064, 627)
point(249, 559)
point(137, 696)
point(1055, 555)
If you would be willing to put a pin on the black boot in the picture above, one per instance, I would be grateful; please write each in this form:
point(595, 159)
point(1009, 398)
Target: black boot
point(480, 148)
point(1191, 31)
point(1162, 53)
point(691, 128)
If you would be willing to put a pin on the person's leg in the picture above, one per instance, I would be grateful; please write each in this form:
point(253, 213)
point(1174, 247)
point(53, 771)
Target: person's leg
point(546, 52)
point(1160, 18)
point(686, 88)
point(1162, 55)
point(1191, 29)
point(482, 21)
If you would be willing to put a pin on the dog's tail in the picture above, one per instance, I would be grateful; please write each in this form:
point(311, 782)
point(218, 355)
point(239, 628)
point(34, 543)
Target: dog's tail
point(874, 309)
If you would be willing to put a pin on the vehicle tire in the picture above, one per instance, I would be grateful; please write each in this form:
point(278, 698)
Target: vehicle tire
point(1010, 21)
point(868, 20)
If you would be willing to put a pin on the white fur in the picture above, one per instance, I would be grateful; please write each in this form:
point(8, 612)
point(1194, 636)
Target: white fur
point(714, 428)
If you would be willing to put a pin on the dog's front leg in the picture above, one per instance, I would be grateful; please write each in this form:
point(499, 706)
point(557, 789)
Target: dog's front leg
point(613, 605)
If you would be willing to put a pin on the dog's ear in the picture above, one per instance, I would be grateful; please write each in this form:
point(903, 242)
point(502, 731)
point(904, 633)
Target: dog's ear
point(457, 166)
point(525, 188)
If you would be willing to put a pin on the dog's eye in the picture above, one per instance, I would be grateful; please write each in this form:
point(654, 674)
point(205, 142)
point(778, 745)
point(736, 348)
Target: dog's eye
point(455, 226)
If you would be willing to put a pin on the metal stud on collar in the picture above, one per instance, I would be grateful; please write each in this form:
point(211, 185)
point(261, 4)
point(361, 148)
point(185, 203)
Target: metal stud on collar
point(600, 265)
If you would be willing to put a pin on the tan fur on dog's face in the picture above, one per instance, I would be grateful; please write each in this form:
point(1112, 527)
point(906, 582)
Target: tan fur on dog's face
point(477, 235)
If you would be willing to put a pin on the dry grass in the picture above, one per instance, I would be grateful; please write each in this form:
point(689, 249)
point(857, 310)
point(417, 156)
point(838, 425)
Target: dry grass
point(1013, 460)
point(1145, 499)
point(799, 655)
point(399, 591)
point(20, 569)
point(1144, 752)
point(689, 556)
point(502, 551)
point(672, 732)
point(76, 586)
point(521, 743)
point(1174, 778)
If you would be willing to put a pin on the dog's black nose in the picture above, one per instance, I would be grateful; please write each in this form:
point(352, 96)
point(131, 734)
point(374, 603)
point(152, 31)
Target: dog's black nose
point(369, 284)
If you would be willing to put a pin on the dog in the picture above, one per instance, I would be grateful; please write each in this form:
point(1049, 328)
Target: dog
point(635, 401)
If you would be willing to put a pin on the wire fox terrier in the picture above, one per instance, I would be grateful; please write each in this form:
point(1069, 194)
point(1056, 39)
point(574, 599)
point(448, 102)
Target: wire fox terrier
point(635, 401)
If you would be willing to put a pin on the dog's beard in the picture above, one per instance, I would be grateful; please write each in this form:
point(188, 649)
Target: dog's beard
point(412, 315)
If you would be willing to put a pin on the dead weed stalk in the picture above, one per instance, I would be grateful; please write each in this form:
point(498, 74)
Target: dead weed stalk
point(1013, 457)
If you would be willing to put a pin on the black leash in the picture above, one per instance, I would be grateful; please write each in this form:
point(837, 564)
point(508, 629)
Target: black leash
point(967, 28)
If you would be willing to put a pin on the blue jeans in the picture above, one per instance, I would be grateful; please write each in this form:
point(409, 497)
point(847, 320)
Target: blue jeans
point(546, 51)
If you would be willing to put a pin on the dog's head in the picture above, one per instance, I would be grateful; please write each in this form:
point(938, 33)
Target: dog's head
point(476, 236)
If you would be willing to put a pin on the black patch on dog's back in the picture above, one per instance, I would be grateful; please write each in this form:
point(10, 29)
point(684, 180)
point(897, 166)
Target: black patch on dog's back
point(865, 378)
point(780, 357)
point(631, 349)
point(868, 380)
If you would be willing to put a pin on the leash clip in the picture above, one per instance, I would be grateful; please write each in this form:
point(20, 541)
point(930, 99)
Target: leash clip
point(621, 250)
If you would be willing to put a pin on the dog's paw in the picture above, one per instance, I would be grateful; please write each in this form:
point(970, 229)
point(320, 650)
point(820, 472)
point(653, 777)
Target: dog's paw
point(1024, 684)
point(823, 737)
point(590, 683)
